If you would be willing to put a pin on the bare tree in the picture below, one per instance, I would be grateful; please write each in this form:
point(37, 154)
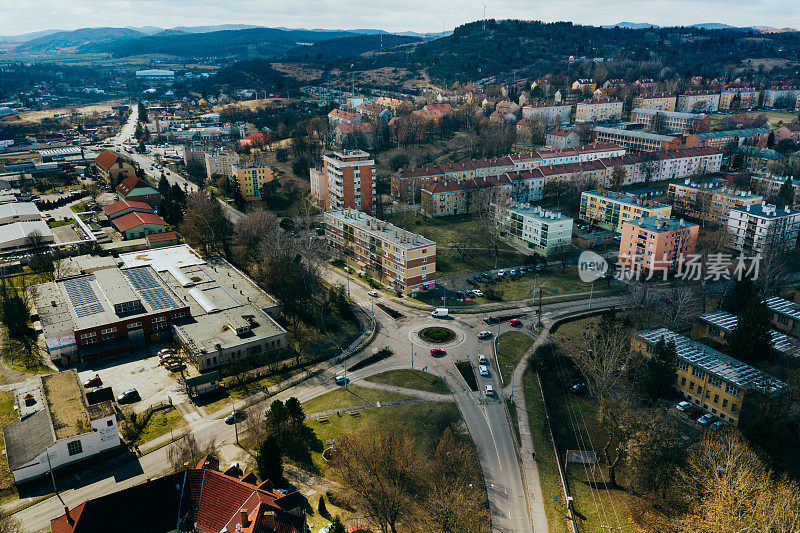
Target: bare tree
point(186, 452)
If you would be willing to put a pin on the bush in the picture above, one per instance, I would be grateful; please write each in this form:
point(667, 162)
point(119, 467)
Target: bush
point(493, 294)
point(398, 161)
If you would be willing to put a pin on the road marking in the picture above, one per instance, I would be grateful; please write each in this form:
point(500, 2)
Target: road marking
point(496, 449)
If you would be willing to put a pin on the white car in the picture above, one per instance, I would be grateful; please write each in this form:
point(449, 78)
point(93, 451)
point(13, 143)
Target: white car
point(341, 380)
point(477, 292)
point(483, 370)
point(489, 390)
point(683, 406)
point(374, 294)
point(501, 274)
point(485, 335)
point(482, 360)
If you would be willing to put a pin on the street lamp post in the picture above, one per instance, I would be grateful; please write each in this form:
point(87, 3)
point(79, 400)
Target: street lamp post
point(591, 293)
point(235, 427)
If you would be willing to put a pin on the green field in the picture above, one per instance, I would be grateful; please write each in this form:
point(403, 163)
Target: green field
point(511, 346)
point(160, 424)
point(353, 395)
point(413, 380)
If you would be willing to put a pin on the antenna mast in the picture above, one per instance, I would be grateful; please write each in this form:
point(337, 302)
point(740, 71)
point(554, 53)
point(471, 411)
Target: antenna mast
point(484, 18)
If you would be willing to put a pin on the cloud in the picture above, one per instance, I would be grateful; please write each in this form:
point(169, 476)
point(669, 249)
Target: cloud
point(418, 15)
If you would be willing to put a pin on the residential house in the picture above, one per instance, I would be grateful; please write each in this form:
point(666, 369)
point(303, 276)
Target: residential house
point(376, 112)
point(348, 181)
point(138, 190)
point(545, 232)
point(717, 325)
point(738, 97)
point(758, 227)
point(598, 110)
point(637, 140)
point(705, 100)
point(656, 101)
point(724, 139)
point(584, 85)
point(220, 163)
point(709, 201)
point(562, 138)
point(340, 116)
point(788, 132)
point(610, 209)
point(358, 135)
point(769, 186)
point(671, 121)
point(783, 96)
point(124, 207)
point(137, 225)
point(251, 178)
point(656, 245)
point(553, 112)
point(112, 167)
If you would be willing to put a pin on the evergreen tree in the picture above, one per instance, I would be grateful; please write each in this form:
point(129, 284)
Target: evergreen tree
point(751, 341)
point(269, 461)
point(322, 508)
point(738, 295)
point(337, 526)
point(786, 193)
point(238, 199)
point(661, 369)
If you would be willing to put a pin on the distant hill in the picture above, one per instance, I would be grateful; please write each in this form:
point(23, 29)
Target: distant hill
point(26, 36)
point(349, 46)
point(65, 41)
point(263, 42)
point(703, 26)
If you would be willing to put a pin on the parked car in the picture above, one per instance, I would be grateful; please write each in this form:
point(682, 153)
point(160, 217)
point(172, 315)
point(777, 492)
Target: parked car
point(478, 278)
point(471, 281)
point(683, 406)
point(477, 292)
point(93, 382)
point(483, 370)
point(719, 424)
point(482, 360)
point(341, 379)
point(512, 272)
point(174, 365)
point(579, 388)
point(694, 412)
point(491, 320)
point(437, 352)
point(485, 335)
point(460, 294)
point(165, 351)
point(489, 390)
point(129, 396)
point(500, 274)
point(706, 419)
point(235, 416)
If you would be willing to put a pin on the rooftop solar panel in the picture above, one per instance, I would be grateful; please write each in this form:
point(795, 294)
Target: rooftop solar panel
point(82, 296)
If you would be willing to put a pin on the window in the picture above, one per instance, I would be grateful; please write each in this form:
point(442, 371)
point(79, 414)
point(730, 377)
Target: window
point(74, 447)
point(158, 319)
point(716, 398)
point(724, 403)
point(134, 325)
point(89, 335)
point(683, 381)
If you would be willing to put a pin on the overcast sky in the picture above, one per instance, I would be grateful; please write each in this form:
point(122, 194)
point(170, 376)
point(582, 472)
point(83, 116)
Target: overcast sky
point(21, 16)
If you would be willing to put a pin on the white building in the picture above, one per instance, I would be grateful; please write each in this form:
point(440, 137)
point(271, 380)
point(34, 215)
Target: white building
point(155, 75)
point(545, 232)
point(756, 227)
point(57, 426)
point(19, 212)
point(221, 163)
point(553, 112)
point(18, 235)
point(694, 101)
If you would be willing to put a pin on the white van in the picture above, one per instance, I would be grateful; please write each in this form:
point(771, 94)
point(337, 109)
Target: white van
point(440, 312)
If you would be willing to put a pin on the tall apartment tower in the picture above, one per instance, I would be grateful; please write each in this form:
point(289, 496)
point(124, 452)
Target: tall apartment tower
point(348, 181)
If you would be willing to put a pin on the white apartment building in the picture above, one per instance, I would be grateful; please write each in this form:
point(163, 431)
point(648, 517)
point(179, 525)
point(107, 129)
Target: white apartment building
point(694, 101)
point(551, 111)
point(598, 110)
point(220, 163)
point(545, 232)
point(756, 227)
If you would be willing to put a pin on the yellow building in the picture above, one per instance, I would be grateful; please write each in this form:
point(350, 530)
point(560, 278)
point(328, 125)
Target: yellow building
point(598, 110)
point(708, 378)
point(748, 98)
point(715, 327)
point(251, 178)
point(657, 101)
point(609, 209)
point(711, 201)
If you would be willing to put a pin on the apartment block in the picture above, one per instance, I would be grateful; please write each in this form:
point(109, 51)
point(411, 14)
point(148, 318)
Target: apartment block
point(220, 164)
point(656, 245)
point(319, 185)
point(709, 378)
point(780, 96)
point(444, 198)
point(400, 259)
point(695, 101)
point(770, 185)
point(637, 140)
point(656, 101)
point(350, 178)
point(550, 111)
point(759, 226)
point(734, 97)
point(610, 210)
point(545, 232)
point(251, 178)
point(717, 325)
point(723, 139)
point(562, 138)
point(784, 315)
point(598, 110)
point(671, 121)
point(710, 201)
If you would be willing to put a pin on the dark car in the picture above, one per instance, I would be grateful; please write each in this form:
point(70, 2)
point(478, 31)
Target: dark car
point(478, 278)
point(460, 294)
point(471, 281)
point(93, 382)
point(491, 320)
point(693, 412)
point(579, 389)
point(129, 396)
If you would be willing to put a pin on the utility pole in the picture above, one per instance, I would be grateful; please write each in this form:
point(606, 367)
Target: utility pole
point(591, 292)
point(53, 477)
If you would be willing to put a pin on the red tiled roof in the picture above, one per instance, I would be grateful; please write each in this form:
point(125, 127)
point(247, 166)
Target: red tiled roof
point(355, 127)
point(443, 108)
point(132, 220)
point(106, 159)
point(562, 132)
point(342, 114)
point(160, 237)
point(123, 204)
point(130, 183)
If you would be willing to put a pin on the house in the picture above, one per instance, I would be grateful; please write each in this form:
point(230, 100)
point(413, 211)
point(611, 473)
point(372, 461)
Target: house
point(584, 85)
point(251, 178)
point(757, 159)
point(360, 135)
point(199, 499)
point(444, 109)
point(374, 111)
point(123, 207)
point(738, 97)
point(710, 201)
point(610, 209)
point(138, 190)
point(157, 240)
point(709, 378)
point(655, 101)
point(782, 96)
point(257, 139)
point(554, 112)
point(562, 138)
point(656, 245)
point(784, 315)
point(57, 427)
point(112, 167)
point(788, 132)
point(340, 116)
point(136, 225)
point(695, 101)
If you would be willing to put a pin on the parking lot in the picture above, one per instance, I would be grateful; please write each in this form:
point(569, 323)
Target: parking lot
point(140, 371)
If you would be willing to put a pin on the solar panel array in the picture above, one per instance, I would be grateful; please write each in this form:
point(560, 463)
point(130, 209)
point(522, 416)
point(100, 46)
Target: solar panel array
point(146, 285)
point(82, 296)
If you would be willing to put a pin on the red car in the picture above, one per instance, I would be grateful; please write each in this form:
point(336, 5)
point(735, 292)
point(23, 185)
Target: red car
point(437, 351)
point(93, 382)
point(515, 322)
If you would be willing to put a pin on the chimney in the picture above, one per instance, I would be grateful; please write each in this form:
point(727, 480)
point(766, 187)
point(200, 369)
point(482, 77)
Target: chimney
point(269, 518)
point(243, 517)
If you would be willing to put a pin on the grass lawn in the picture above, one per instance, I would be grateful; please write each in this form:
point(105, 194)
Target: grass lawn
point(774, 117)
point(413, 380)
point(573, 334)
point(554, 282)
point(239, 393)
point(511, 346)
point(59, 223)
point(160, 424)
point(80, 207)
point(353, 395)
point(7, 415)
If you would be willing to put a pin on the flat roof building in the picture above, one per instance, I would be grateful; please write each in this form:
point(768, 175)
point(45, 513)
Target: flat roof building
point(656, 244)
point(610, 209)
point(710, 201)
point(545, 232)
point(717, 325)
point(760, 226)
